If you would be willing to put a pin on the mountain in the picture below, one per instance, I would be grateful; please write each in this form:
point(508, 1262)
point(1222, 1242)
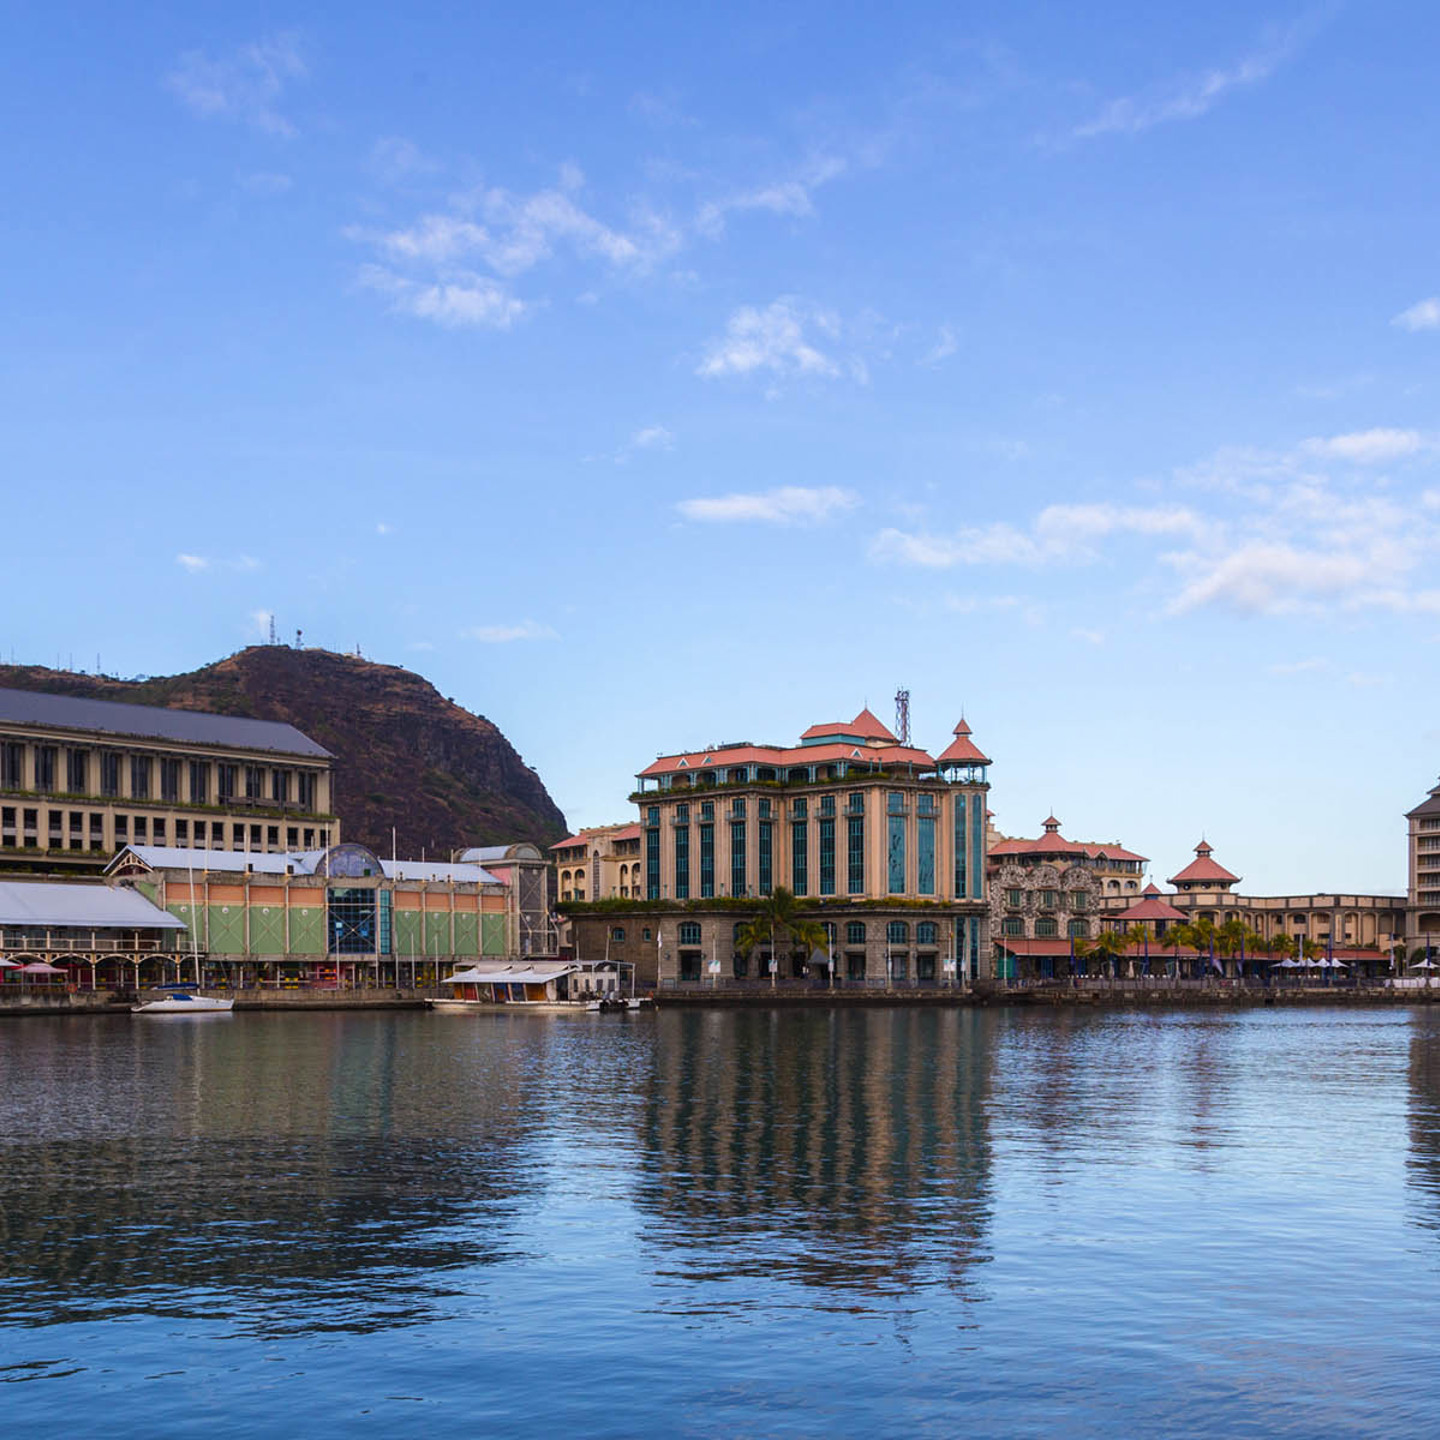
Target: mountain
point(404, 755)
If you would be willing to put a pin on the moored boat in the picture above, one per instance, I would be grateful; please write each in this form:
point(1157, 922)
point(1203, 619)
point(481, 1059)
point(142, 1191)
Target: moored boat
point(183, 1000)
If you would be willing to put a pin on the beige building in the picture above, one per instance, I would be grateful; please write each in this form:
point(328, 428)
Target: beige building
point(599, 863)
point(1422, 901)
point(81, 779)
point(1206, 889)
point(883, 843)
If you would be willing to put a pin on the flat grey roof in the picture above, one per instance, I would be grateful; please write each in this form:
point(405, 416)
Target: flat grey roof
point(60, 906)
point(154, 722)
point(301, 862)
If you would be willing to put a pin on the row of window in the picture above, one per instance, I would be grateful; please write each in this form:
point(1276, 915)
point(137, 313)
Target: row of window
point(1046, 928)
point(895, 966)
point(153, 779)
point(897, 932)
point(895, 804)
point(1049, 899)
point(81, 830)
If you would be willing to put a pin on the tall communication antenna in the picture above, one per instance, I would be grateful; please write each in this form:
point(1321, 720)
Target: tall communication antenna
point(273, 640)
point(902, 715)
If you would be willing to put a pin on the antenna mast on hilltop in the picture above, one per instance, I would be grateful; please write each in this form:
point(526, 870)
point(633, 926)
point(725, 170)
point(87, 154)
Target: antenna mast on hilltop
point(902, 715)
point(273, 640)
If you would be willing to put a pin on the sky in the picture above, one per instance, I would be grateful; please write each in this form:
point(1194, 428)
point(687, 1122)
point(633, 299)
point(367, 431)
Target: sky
point(651, 377)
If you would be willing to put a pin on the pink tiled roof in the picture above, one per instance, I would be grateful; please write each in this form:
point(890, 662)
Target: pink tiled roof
point(1202, 869)
point(962, 750)
point(783, 757)
point(1113, 852)
point(1152, 907)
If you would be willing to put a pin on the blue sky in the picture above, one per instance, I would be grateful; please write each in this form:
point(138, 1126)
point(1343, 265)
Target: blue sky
point(649, 378)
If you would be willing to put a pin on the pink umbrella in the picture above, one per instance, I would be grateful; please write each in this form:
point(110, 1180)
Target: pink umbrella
point(9, 964)
point(39, 967)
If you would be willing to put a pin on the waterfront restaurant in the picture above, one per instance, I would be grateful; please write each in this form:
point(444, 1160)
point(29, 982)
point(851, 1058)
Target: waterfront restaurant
point(340, 918)
point(101, 937)
point(534, 982)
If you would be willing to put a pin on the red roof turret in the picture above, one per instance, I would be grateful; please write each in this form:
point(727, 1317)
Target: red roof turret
point(962, 750)
point(1205, 872)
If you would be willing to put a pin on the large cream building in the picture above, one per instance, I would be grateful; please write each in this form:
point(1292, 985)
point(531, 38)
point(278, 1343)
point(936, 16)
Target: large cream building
point(883, 843)
point(81, 779)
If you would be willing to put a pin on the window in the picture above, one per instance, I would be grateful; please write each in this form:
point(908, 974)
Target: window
point(645, 933)
point(292, 838)
point(689, 964)
point(141, 829)
point(45, 767)
point(252, 782)
point(925, 855)
point(1047, 899)
point(682, 857)
point(689, 932)
point(1079, 929)
point(617, 934)
point(305, 789)
point(1014, 898)
point(272, 837)
point(707, 809)
point(800, 857)
point(682, 814)
point(766, 865)
point(170, 781)
point(961, 875)
point(122, 829)
point(799, 809)
point(827, 855)
point(737, 806)
point(254, 837)
point(897, 932)
point(182, 832)
point(855, 855)
point(237, 837)
point(1079, 900)
point(737, 857)
point(199, 783)
point(350, 914)
point(97, 832)
point(827, 804)
point(652, 815)
point(855, 803)
point(924, 967)
point(740, 965)
point(897, 854)
point(140, 777)
point(925, 805)
point(77, 772)
point(854, 932)
point(1046, 927)
point(280, 786)
point(707, 857)
point(12, 764)
point(855, 966)
point(652, 863)
point(225, 788)
point(895, 803)
point(764, 808)
point(925, 933)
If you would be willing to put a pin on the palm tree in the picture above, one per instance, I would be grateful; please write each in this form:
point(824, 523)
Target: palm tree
point(1177, 933)
point(778, 914)
point(1202, 935)
point(1106, 946)
point(1138, 938)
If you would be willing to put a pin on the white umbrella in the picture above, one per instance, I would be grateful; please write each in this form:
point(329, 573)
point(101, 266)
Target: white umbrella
point(9, 964)
point(39, 967)
point(1425, 965)
point(1286, 964)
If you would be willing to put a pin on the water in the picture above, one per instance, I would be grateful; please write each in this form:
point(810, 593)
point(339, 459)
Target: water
point(711, 1224)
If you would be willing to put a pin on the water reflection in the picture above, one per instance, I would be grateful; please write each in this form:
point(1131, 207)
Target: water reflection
point(842, 1150)
point(1424, 1076)
point(319, 1175)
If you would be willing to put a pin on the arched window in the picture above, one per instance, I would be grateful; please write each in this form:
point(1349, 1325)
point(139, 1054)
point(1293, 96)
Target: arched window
point(1047, 927)
point(1013, 926)
point(1079, 929)
point(689, 932)
point(925, 932)
point(898, 932)
point(617, 932)
point(854, 932)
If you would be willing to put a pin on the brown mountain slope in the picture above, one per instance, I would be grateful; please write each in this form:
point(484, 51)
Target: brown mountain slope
point(405, 756)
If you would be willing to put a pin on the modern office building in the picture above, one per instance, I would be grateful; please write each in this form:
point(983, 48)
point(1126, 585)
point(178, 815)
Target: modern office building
point(81, 779)
point(882, 842)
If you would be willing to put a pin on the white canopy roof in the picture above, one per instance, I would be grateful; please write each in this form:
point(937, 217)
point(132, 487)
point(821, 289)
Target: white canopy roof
point(501, 973)
point(59, 905)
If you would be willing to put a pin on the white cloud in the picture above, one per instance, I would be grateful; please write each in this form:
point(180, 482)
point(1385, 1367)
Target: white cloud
point(1187, 98)
point(1090, 637)
point(1298, 667)
point(506, 634)
point(383, 527)
point(261, 619)
point(1366, 447)
point(1058, 533)
point(789, 505)
point(464, 301)
point(778, 340)
point(648, 437)
point(782, 197)
point(1424, 315)
point(944, 347)
point(193, 563)
point(244, 86)
point(394, 160)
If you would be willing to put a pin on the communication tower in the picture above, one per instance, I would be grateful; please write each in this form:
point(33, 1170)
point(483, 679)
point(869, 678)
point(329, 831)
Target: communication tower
point(902, 715)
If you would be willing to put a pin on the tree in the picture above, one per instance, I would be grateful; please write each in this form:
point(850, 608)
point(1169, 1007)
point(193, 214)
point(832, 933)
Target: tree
point(778, 914)
point(1106, 946)
point(1177, 933)
point(1138, 938)
point(1231, 936)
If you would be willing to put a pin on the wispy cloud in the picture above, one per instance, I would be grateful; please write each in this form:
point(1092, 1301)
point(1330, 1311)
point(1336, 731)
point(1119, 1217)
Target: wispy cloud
point(193, 563)
point(266, 184)
point(1298, 667)
point(946, 344)
point(792, 197)
point(782, 341)
point(788, 505)
point(463, 301)
point(1424, 315)
point(383, 527)
point(1191, 96)
point(244, 86)
point(1367, 447)
point(1058, 533)
point(395, 160)
point(652, 438)
point(508, 634)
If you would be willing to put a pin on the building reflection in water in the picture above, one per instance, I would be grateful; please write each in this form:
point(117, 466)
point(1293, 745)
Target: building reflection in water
point(300, 1173)
point(1424, 1116)
point(842, 1149)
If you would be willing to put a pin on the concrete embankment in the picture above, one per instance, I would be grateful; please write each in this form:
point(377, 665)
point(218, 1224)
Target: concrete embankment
point(37, 1002)
point(1056, 996)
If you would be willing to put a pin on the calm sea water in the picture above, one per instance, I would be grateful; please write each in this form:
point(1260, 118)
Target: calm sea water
point(784, 1223)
